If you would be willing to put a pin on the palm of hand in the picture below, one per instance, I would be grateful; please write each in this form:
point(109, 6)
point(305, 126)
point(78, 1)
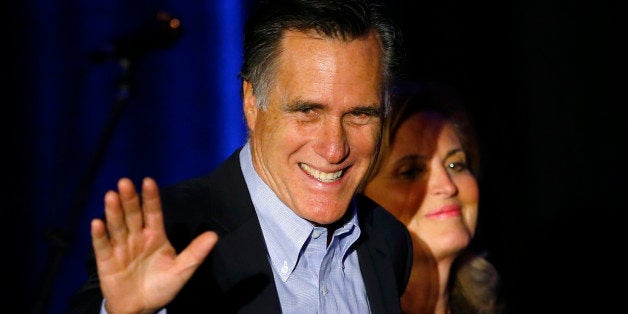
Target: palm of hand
point(138, 268)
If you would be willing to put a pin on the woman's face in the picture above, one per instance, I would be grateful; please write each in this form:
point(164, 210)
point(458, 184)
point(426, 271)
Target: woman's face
point(425, 183)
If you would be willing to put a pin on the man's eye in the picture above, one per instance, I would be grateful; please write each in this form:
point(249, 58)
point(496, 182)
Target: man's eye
point(307, 114)
point(362, 116)
point(306, 110)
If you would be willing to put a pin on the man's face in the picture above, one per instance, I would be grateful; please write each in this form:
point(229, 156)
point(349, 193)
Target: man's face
point(317, 138)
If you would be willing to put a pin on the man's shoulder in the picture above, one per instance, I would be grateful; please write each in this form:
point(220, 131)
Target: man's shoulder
point(217, 201)
point(374, 215)
point(385, 234)
point(381, 228)
point(207, 194)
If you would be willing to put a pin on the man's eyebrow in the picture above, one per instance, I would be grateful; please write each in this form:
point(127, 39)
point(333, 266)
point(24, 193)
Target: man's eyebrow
point(372, 110)
point(300, 104)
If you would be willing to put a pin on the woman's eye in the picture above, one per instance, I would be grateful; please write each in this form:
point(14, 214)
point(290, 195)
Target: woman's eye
point(457, 166)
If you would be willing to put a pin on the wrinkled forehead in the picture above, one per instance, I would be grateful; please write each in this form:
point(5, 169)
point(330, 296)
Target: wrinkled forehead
point(329, 67)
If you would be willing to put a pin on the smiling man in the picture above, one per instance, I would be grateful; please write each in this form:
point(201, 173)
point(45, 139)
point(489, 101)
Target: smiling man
point(314, 142)
point(276, 228)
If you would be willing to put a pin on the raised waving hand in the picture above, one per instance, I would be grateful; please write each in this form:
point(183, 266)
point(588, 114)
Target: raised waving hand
point(138, 268)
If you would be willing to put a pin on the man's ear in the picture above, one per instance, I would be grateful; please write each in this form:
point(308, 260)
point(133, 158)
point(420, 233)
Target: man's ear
point(249, 105)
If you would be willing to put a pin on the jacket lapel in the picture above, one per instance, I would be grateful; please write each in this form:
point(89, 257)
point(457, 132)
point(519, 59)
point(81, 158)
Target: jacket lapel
point(375, 263)
point(246, 274)
point(241, 256)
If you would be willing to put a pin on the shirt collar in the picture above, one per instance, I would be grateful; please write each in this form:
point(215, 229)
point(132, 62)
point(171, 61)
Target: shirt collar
point(284, 231)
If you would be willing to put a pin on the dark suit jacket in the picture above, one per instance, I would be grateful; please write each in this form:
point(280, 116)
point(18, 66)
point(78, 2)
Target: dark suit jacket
point(237, 276)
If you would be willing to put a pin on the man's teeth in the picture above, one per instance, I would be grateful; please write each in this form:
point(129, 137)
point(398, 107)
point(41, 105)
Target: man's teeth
point(322, 176)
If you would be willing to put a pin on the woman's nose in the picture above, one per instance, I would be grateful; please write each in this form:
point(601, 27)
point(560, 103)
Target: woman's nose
point(441, 182)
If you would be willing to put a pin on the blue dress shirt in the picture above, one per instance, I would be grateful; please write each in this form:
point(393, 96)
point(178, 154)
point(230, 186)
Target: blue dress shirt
point(311, 276)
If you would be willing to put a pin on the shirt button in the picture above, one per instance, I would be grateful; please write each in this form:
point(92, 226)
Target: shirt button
point(284, 268)
point(316, 233)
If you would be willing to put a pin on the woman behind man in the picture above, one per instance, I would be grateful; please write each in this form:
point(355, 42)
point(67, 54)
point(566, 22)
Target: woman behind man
point(425, 175)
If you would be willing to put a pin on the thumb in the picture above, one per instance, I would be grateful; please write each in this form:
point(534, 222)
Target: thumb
point(196, 252)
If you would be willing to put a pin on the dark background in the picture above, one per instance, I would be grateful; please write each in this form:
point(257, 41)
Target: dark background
point(544, 80)
point(546, 83)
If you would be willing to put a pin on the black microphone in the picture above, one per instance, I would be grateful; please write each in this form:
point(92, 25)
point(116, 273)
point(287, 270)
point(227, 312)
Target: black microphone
point(161, 32)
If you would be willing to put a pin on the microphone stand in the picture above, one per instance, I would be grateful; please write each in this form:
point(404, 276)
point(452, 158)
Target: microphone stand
point(60, 239)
